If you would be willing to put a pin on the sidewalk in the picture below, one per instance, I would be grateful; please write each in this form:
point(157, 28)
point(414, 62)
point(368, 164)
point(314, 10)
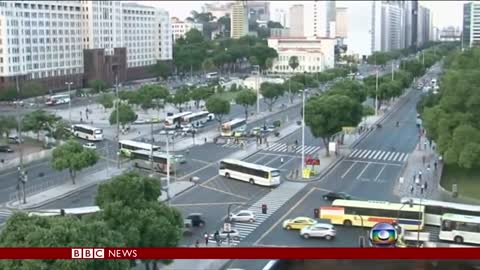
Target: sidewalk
point(66, 189)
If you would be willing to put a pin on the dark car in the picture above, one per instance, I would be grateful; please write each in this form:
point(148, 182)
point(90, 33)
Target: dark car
point(331, 196)
point(197, 220)
point(5, 149)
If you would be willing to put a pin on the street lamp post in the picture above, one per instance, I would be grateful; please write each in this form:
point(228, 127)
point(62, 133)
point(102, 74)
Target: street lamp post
point(376, 92)
point(22, 174)
point(117, 118)
point(69, 103)
point(258, 87)
point(393, 71)
point(303, 130)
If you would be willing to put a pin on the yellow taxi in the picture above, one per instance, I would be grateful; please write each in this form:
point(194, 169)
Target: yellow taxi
point(298, 223)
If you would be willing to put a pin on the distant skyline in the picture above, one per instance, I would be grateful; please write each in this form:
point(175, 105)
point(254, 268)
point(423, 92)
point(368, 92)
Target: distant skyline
point(445, 13)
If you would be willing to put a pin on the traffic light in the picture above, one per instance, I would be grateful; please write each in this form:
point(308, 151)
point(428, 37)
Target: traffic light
point(316, 213)
point(264, 209)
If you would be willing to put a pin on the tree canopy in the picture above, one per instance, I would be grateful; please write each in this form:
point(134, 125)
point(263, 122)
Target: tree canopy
point(219, 107)
point(246, 98)
point(126, 115)
point(38, 121)
point(271, 92)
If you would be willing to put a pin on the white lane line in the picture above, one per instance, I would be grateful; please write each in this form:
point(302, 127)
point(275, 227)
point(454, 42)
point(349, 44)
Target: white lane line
point(348, 170)
point(391, 156)
point(383, 155)
point(387, 156)
point(372, 154)
point(400, 158)
point(405, 158)
point(360, 153)
point(396, 155)
point(378, 153)
point(366, 154)
point(376, 178)
point(353, 153)
point(364, 169)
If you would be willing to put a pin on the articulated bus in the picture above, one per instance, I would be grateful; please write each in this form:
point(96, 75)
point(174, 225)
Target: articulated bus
point(141, 159)
point(369, 213)
point(196, 119)
point(460, 229)
point(175, 121)
point(249, 172)
point(77, 212)
point(88, 133)
point(57, 100)
point(236, 128)
point(127, 146)
point(435, 209)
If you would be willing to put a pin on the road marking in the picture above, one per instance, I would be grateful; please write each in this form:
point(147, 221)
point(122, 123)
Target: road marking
point(271, 161)
point(275, 246)
point(353, 164)
point(198, 170)
point(26, 167)
point(405, 158)
point(288, 161)
point(202, 161)
point(322, 189)
point(378, 153)
point(374, 162)
point(203, 204)
point(225, 192)
point(262, 157)
point(376, 178)
point(283, 217)
point(368, 164)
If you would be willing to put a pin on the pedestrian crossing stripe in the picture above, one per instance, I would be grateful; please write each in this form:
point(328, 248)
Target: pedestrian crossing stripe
point(379, 155)
point(5, 212)
point(283, 147)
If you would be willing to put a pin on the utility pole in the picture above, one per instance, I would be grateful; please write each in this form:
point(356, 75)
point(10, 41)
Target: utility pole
point(168, 172)
point(393, 71)
point(69, 103)
point(118, 118)
point(151, 148)
point(303, 131)
point(258, 88)
point(423, 57)
point(22, 174)
point(376, 93)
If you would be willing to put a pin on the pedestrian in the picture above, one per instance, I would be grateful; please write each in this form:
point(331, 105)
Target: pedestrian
point(420, 174)
point(417, 181)
point(425, 185)
point(424, 159)
point(435, 164)
point(197, 243)
point(205, 235)
point(422, 189)
point(414, 178)
point(425, 145)
point(296, 142)
point(411, 189)
point(428, 167)
point(205, 139)
point(281, 160)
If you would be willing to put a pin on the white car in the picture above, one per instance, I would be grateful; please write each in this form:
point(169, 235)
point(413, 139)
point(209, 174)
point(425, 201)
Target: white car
point(243, 216)
point(90, 146)
point(322, 230)
point(234, 234)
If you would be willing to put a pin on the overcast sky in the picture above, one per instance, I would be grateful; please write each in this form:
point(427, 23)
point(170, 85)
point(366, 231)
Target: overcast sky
point(445, 13)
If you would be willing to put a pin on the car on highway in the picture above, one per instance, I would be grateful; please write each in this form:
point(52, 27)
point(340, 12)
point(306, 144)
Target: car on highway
point(179, 159)
point(243, 216)
point(321, 230)
point(5, 149)
point(298, 223)
point(331, 196)
point(233, 233)
point(90, 146)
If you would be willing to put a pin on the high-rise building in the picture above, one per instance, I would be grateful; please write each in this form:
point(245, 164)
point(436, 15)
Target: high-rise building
point(341, 22)
point(467, 20)
point(180, 28)
point(392, 26)
point(218, 9)
point(297, 21)
point(239, 19)
point(280, 15)
point(258, 11)
point(318, 17)
point(475, 24)
point(424, 25)
point(414, 30)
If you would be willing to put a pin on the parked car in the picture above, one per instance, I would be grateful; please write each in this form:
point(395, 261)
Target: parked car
point(243, 216)
point(331, 196)
point(179, 159)
point(90, 146)
point(14, 140)
point(322, 230)
point(197, 220)
point(298, 223)
point(5, 149)
point(234, 234)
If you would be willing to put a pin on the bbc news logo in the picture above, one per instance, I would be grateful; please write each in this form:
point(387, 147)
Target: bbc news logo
point(102, 253)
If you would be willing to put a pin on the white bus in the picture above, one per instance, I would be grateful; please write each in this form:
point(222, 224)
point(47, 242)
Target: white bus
point(196, 119)
point(369, 213)
point(460, 229)
point(127, 146)
point(88, 133)
point(58, 99)
point(78, 212)
point(141, 159)
point(175, 121)
point(212, 75)
point(249, 172)
point(236, 127)
point(435, 209)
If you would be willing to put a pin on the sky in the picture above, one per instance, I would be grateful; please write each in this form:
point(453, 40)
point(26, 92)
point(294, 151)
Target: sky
point(445, 13)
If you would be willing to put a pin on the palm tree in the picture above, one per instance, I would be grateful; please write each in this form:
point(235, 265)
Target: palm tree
point(293, 62)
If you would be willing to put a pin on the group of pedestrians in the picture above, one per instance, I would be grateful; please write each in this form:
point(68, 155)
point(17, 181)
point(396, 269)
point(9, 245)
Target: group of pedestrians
point(216, 238)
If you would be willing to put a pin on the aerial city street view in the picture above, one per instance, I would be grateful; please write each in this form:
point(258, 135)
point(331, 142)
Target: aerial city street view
point(238, 124)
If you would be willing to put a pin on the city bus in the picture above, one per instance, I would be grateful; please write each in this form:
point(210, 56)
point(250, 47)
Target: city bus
point(57, 100)
point(77, 212)
point(88, 133)
point(141, 159)
point(175, 121)
point(435, 209)
point(369, 213)
point(196, 119)
point(249, 172)
point(212, 75)
point(127, 146)
point(460, 229)
point(236, 128)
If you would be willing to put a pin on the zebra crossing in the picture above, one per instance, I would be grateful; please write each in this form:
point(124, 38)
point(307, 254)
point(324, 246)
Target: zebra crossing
point(379, 155)
point(274, 200)
point(283, 147)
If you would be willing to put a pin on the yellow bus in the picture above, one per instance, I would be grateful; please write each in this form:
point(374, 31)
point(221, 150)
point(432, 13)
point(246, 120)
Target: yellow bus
point(369, 213)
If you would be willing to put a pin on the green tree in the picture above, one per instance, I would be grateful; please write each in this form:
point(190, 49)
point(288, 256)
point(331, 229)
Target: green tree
point(24, 231)
point(327, 115)
point(37, 121)
point(97, 86)
point(219, 107)
point(74, 157)
point(106, 100)
point(352, 89)
point(61, 130)
point(271, 92)
point(126, 114)
point(246, 98)
point(200, 93)
point(131, 208)
point(293, 62)
point(161, 70)
point(180, 97)
point(7, 123)
point(208, 65)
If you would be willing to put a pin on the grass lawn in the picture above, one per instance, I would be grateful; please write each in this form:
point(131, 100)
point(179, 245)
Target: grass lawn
point(468, 181)
point(227, 95)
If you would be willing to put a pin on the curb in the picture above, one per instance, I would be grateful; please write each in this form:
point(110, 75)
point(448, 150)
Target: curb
point(322, 174)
